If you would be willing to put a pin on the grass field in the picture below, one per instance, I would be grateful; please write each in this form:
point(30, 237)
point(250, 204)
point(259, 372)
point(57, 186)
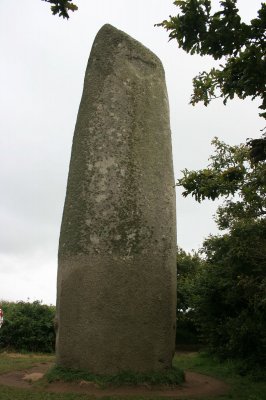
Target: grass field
point(242, 388)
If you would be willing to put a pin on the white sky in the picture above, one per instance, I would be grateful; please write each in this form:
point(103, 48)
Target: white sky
point(43, 61)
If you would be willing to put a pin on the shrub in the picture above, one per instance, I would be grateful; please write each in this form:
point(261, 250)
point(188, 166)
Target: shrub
point(229, 294)
point(186, 329)
point(28, 327)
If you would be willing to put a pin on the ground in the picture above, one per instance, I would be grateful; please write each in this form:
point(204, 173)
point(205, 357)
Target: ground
point(196, 385)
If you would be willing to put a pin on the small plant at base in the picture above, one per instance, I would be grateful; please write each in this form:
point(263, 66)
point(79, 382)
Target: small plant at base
point(170, 377)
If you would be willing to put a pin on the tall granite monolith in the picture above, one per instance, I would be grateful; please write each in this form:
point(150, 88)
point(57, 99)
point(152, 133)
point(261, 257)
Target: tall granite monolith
point(116, 293)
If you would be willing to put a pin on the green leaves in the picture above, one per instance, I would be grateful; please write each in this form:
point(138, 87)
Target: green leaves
point(187, 267)
point(257, 150)
point(62, 7)
point(28, 327)
point(233, 174)
point(237, 268)
point(189, 27)
point(200, 184)
point(224, 295)
point(197, 30)
point(223, 34)
point(205, 86)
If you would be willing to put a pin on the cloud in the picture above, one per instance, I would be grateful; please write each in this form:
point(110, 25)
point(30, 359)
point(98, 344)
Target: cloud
point(28, 278)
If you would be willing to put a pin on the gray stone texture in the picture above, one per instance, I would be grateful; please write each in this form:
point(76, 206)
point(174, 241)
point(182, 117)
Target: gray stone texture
point(116, 294)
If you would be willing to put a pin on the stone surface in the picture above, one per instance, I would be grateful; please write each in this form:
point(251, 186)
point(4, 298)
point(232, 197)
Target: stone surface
point(117, 271)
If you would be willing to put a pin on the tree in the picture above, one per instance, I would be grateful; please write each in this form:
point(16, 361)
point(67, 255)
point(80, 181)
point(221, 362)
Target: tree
point(221, 296)
point(228, 295)
point(232, 174)
point(227, 292)
point(187, 267)
point(62, 7)
point(223, 34)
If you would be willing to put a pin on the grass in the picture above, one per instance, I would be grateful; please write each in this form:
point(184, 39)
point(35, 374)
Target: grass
point(242, 388)
point(17, 361)
point(174, 376)
point(24, 394)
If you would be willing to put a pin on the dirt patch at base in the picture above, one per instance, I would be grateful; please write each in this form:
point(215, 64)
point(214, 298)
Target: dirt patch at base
point(195, 385)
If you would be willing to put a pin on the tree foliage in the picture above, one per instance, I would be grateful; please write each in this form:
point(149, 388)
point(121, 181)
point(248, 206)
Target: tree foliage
point(221, 296)
point(223, 35)
point(28, 327)
point(229, 294)
point(233, 175)
point(187, 267)
point(62, 7)
point(225, 293)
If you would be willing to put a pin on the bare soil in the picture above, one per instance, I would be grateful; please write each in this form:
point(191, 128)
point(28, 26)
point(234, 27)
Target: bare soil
point(196, 385)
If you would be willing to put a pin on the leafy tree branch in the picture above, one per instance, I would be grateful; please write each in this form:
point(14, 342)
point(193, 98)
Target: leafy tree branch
point(231, 174)
point(62, 7)
point(223, 35)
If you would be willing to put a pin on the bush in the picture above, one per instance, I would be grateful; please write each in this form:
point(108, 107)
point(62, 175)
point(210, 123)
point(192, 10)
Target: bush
point(28, 327)
point(229, 294)
point(187, 335)
point(186, 330)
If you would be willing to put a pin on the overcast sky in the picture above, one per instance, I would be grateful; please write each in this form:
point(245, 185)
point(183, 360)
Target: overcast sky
point(43, 61)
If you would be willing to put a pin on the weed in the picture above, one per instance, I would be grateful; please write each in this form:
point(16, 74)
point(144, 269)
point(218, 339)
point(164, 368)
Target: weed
point(173, 376)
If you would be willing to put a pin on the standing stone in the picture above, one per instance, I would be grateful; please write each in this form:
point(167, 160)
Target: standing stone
point(116, 292)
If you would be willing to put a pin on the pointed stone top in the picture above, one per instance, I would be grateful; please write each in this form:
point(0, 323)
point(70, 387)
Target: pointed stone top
point(109, 37)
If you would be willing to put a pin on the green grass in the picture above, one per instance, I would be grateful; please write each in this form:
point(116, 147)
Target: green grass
point(242, 387)
point(18, 362)
point(174, 376)
point(24, 394)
